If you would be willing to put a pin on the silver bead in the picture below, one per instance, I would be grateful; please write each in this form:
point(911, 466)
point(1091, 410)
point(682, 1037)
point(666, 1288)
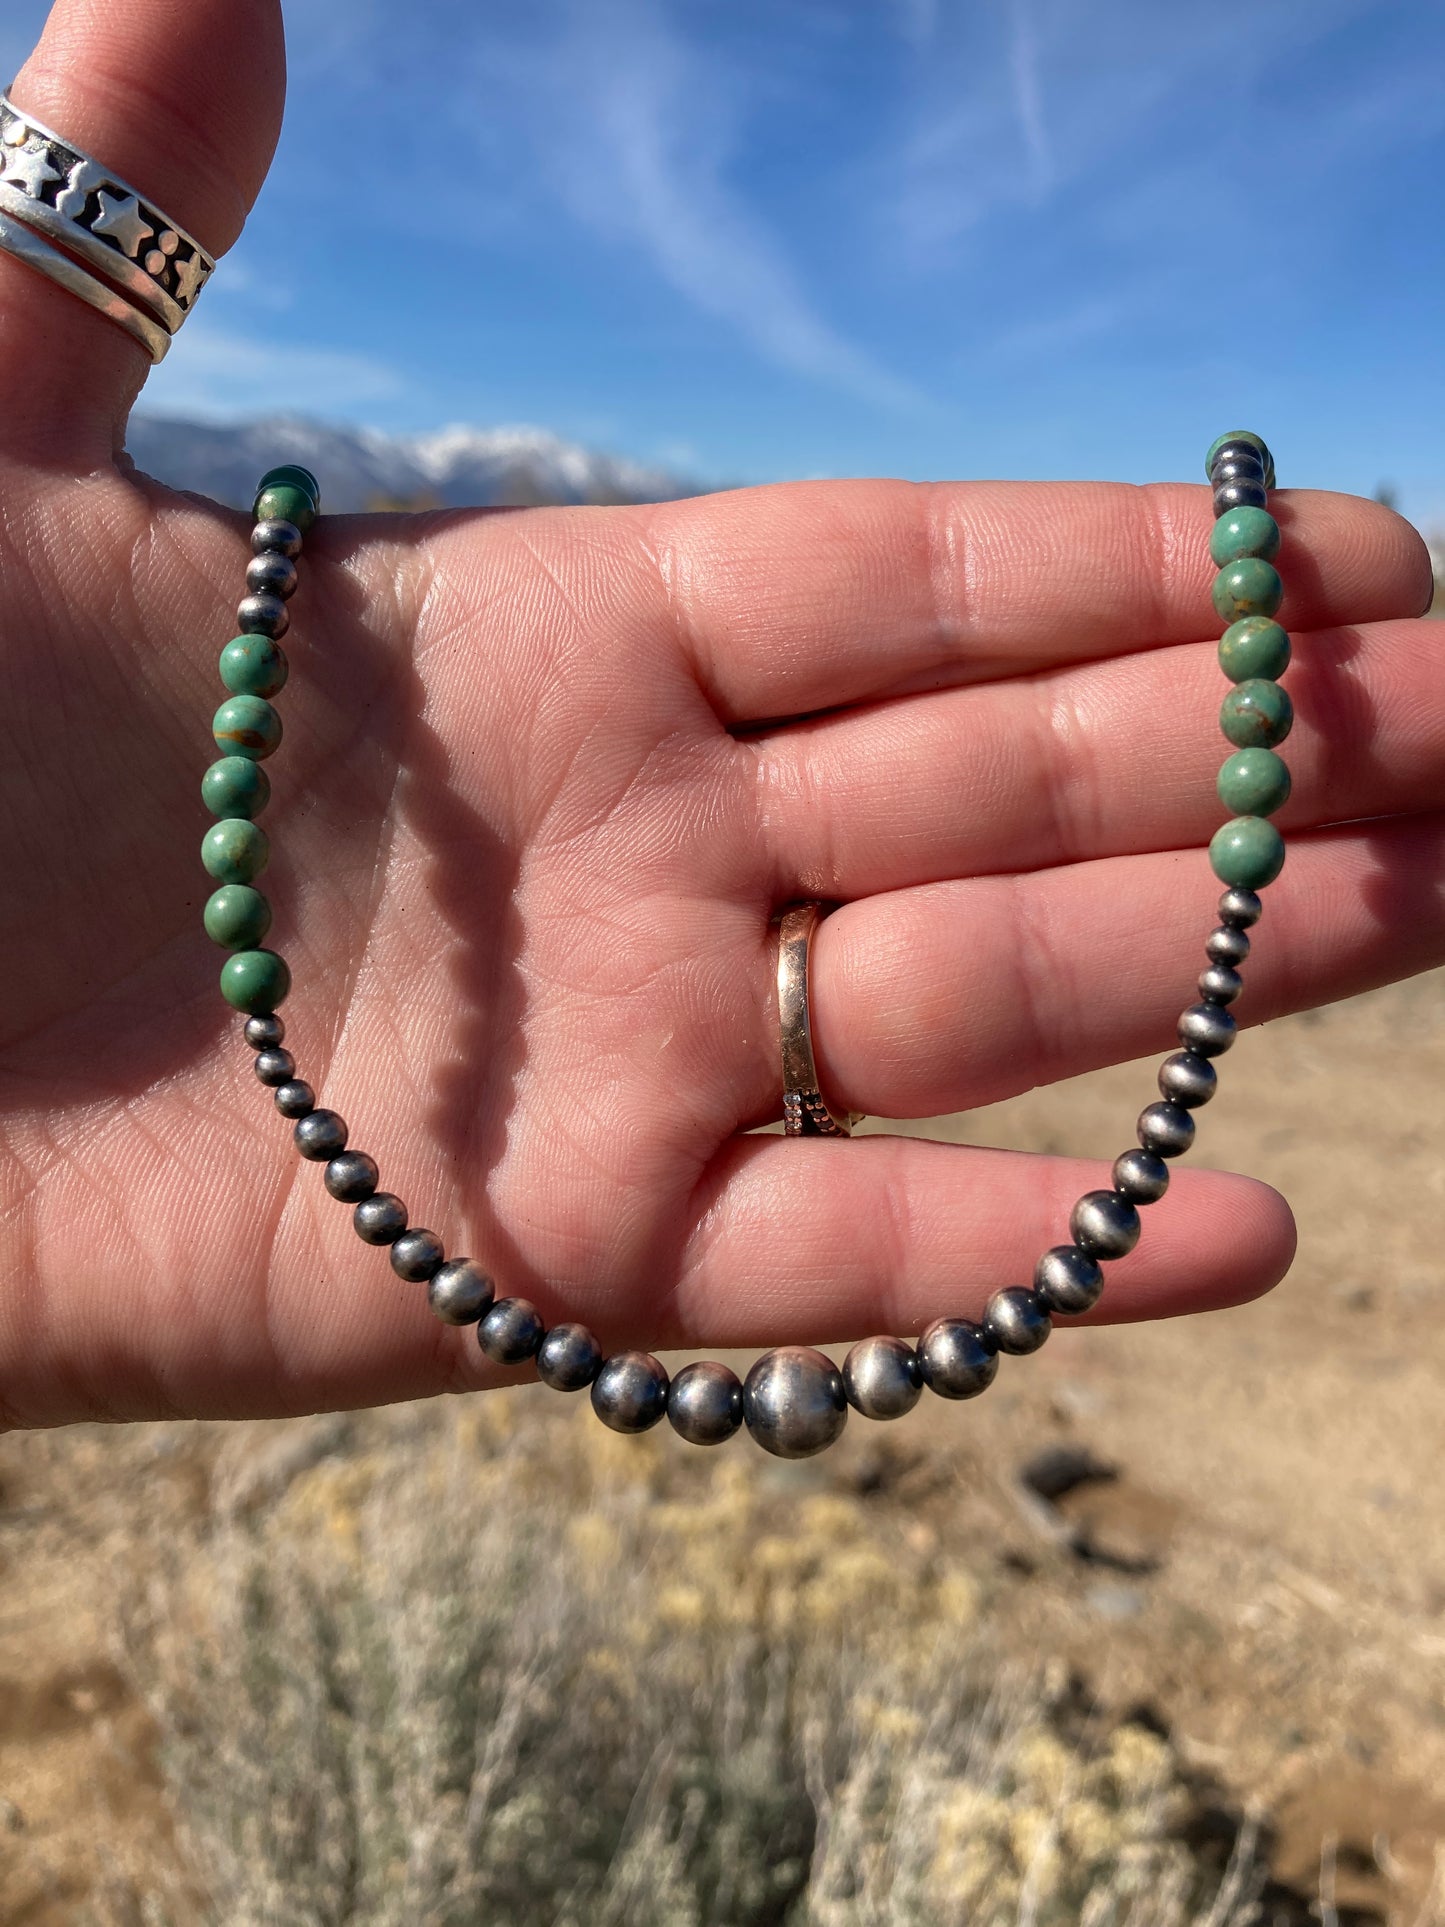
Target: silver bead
point(295, 1099)
point(282, 537)
point(1165, 1129)
point(1141, 1176)
point(379, 1219)
point(630, 1392)
point(1188, 1078)
point(511, 1331)
point(1016, 1320)
point(320, 1135)
point(955, 1358)
point(1105, 1224)
point(793, 1402)
point(881, 1378)
point(1207, 1029)
point(569, 1358)
point(1227, 945)
point(271, 574)
point(705, 1403)
point(460, 1292)
point(266, 1032)
point(1241, 908)
point(416, 1255)
point(351, 1177)
point(1068, 1280)
point(1220, 984)
point(263, 615)
point(275, 1066)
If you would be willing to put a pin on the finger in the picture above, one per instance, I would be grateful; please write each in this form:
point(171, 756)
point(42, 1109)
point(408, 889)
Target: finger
point(1096, 760)
point(810, 595)
point(955, 995)
point(805, 1238)
point(183, 99)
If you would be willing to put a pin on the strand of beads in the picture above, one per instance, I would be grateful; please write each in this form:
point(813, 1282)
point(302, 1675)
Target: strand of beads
point(795, 1400)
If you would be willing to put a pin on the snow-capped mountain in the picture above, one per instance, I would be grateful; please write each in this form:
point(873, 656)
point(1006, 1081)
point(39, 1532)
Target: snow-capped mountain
point(360, 468)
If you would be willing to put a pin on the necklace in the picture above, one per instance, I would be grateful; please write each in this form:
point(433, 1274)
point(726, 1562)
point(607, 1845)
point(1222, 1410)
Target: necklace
point(794, 1401)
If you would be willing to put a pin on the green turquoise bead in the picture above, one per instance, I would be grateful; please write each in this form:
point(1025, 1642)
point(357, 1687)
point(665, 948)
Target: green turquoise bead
point(1241, 435)
point(1256, 714)
point(1247, 853)
point(235, 787)
point(255, 980)
point(254, 666)
point(1244, 532)
point(285, 503)
point(246, 726)
point(1254, 646)
point(235, 851)
point(1254, 782)
point(236, 916)
point(291, 475)
point(1248, 587)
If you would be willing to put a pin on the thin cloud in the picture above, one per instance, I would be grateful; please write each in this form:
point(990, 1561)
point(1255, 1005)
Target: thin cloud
point(1027, 96)
point(215, 374)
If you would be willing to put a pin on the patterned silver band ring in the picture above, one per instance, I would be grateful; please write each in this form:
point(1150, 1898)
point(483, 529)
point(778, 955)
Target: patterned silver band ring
point(76, 201)
point(26, 246)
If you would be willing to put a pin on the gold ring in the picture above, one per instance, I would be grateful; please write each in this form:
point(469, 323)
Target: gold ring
point(806, 1112)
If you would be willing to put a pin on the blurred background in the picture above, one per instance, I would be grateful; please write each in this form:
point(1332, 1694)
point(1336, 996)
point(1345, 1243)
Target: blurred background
point(1155, 1634)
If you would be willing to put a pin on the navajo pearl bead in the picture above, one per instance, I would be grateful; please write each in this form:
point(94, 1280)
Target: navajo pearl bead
point(793, 1402)
point(1220, 984)
point(1068, 1279)
point(956, 1359)
point(629, 1393)
point(275, 1067)
point(271, 574)
point(295, 1098)
point(264, 1032)
point(1016, 1320)
point(351, 1177)
point(460, 1292)
point(511, 1331)
point(379, 1219)
point(1240, 909)
point(569, 1358)
point(1105, 1224)
point(1207, 1029)
point(416, 1255)
point(705, 1403)
point(262, 615)
point(1238, 465)
point(320, 1135)
point(1141, 1176)
point(881, 1378)
point(1165, 1129)
point(1227, 945)
point(282, 537)
point(1239, 444)
point(1238, 495)
point(1188, 1079)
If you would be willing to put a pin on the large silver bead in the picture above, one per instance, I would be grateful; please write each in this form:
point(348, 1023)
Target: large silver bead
point(1165, 1129)
point(882, 1378)
point(1016, 1320)
point(630, 1392)
point(1068, 1280)
point(1187, 1078)
point(460, 1292)
point(793, 1402)
point(569, 1358)
point(511, 1331)
point(1141, 1177)
point(1105, 1224)
point(955, 1358)
point(1207, 1029)
point(705, 1403)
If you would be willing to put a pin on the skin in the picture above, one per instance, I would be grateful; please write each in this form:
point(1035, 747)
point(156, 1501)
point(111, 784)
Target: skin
point(546, 777)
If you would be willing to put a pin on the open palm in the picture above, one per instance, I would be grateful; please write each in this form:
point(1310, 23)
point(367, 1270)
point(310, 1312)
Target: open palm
point(547, 777)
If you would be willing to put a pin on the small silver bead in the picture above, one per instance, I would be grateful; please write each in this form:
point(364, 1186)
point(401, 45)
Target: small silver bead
point(460, 1292)
point(630, 1392)
point(265, 1032)
point(379, 1219)
point(271, 574)
point(416, 1255)
point(320, 1135)
point(1227, 945)
point(1068, 1280)
point(1141, 1176)
point(351, 1177)
point(295, 1099)
point(511, 1332)
point(881, 1377)
point(1188, 1079)
point(282, 537)
point(275, 1066)
point(1165, 1129)
point(1207, 1029)
point(1220, 984)
point(263, 615)
point(569, 1358)
point(705, 1403)
point(1016, 1320)
point(793, 1402)
point(1105, 1224)
point(1240, 908)
point(956, 1359)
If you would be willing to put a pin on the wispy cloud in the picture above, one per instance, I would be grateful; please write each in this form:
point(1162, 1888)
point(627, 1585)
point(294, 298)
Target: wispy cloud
point(215, 374)
point(1027, 95)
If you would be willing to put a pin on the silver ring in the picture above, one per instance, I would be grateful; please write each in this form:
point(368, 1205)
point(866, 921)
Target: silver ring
point(806, 1112)
point(27, 247)
point(76, 201)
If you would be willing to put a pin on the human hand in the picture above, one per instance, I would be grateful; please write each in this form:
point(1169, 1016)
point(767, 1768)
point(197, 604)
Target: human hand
point(547, 777)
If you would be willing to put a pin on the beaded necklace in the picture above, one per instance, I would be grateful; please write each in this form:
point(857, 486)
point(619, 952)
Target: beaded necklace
point(794, 1401)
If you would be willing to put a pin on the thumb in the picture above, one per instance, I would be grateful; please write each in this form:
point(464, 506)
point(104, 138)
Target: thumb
point(183, 99)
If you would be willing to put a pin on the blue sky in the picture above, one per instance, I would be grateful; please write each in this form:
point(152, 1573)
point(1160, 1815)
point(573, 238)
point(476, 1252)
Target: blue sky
point(764, 238)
